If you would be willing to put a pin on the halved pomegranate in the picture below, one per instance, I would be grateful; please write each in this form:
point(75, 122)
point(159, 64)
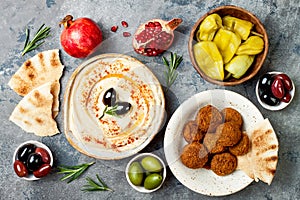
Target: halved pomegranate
point(155, 36)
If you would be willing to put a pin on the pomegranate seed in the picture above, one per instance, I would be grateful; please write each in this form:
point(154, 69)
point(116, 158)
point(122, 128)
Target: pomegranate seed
point(157, 24)
point(151, 45)
point(151, 24)
point(157, 41)
point(114, 28)
point(124, 24)
point(154, 53)
point(143, 40)
point(126, 34)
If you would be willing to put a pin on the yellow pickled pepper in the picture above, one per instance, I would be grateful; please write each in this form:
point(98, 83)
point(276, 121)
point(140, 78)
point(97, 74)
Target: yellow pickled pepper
point(227, 42)
point(239, 65)
point(208, 27)
point(239, 26)
point(252, 46)
point(209, 59)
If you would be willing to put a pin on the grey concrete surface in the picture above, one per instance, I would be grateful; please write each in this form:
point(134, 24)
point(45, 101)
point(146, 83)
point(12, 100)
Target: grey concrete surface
point(281, 20)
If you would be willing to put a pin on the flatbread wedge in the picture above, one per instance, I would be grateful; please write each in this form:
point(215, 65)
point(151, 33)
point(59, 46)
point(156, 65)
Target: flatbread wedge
point(55, 88)
point(261, 161)
point(38, 70)
point(34, 112)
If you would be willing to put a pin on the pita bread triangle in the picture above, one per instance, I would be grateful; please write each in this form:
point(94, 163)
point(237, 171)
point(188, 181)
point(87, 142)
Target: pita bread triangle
point(34, 112)
point(41, 68)
point(55, 88)
point(261, 161)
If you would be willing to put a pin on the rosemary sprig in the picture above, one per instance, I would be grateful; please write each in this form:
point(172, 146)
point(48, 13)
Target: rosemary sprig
point(94, 186)
point(41, 34)
point(110, 111)
point(171, 65)
point(73, 172)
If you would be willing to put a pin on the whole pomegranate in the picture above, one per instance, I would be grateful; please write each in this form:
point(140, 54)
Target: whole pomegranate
point(80, 36)
point(155, 36)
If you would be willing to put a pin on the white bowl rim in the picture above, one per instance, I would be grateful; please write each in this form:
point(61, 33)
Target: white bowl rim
point(31, 177)
point(141, 188)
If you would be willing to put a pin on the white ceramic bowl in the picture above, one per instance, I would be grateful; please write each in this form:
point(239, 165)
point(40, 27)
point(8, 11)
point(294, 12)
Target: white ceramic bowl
point(281, 105)
point(139, 158)
point(31, 177)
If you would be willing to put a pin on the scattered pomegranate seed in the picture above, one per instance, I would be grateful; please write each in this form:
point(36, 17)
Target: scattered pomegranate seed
point(114, 28)
point(126, 34)
point(124, 24)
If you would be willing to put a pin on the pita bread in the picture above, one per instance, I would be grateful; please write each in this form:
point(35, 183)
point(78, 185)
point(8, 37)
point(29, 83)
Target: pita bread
point(34, 112)
point(261, 161)
point(40, 69)
point(55, 88)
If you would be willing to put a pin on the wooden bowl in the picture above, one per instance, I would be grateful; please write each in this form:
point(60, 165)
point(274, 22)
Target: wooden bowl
point(241, 14)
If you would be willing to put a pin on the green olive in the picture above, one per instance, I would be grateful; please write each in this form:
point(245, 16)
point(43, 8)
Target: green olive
point(135, 174)
point(147, 173)
point(151, 164)
point(152, 181)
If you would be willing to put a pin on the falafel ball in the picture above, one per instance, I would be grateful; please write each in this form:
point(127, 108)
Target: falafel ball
point(210, 141)
point(208, 118)
point(223, 164)
point(194, 155)
point(242, 147)
point(230, 134)
point(232, 115)
point(192, 133)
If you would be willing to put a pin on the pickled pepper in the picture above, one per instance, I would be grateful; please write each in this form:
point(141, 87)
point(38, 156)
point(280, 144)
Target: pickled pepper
point(208, 27)
point(252, 46)
point(239, 65)
point(209, 59)
point(227, 42)
point(239, 26)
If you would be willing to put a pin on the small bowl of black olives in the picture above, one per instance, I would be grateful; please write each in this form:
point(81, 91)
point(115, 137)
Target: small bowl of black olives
point(275, 90)
point(32, 160)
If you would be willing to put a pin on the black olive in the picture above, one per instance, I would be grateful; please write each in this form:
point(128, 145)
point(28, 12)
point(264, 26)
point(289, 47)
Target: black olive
point(34, 161)
point(109, 97)
point(265, 83)
point(25, 151)
point(268, 98)
point(122, 108)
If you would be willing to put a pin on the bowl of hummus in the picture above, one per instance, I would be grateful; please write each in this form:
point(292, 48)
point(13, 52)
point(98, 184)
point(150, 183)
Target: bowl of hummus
point(98, 129)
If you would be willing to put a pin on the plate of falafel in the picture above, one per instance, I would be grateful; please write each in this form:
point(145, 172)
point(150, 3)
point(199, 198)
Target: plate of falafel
point(204, 138)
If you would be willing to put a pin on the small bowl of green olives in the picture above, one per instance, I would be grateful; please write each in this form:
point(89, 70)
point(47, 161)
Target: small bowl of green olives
point(32, 160)
point(275, 90)
point(146, 172)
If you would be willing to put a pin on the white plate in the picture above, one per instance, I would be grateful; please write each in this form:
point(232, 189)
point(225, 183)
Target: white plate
point(202, 180)
point(112, 137)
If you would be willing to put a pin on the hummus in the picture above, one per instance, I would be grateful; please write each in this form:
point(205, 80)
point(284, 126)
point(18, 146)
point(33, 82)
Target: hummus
point(112, 137)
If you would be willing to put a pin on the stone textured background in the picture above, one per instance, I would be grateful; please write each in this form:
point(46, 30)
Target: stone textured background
point(281, 20)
